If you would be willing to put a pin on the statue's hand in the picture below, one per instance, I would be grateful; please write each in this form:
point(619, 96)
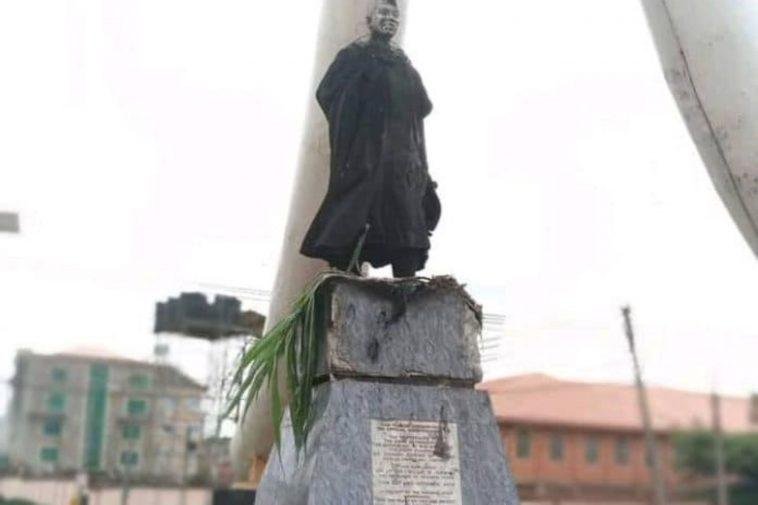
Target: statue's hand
point(432, 206)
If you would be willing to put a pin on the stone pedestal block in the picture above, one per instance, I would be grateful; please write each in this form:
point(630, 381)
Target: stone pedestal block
point(402, 329)
point(397, 420)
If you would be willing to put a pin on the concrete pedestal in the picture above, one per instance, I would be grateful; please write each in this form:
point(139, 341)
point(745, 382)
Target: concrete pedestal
point(398, 420)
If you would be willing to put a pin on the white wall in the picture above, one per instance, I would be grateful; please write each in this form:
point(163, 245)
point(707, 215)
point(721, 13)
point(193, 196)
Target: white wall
point(60, 492)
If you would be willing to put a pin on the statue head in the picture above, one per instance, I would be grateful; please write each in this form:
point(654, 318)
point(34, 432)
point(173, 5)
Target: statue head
point(384, 19)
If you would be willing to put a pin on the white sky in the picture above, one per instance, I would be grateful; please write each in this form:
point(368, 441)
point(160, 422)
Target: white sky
point(150, 146)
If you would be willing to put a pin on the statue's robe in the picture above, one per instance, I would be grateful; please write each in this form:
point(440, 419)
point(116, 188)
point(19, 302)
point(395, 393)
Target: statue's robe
point(375, 103)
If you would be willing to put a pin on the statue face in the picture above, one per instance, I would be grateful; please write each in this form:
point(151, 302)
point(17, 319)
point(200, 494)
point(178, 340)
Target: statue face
point(384, 20)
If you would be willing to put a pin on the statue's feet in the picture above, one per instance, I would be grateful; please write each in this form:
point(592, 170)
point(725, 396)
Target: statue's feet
point(403, 270)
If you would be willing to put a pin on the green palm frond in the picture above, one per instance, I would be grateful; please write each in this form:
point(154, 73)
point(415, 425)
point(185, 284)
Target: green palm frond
point(287, 357)
point(290, 349)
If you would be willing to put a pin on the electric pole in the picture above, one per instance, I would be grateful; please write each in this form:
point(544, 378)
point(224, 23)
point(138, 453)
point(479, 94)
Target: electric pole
point(718, 443)
point(9, 222)
point(659, 484)
point(125, 486)
point(189, 447)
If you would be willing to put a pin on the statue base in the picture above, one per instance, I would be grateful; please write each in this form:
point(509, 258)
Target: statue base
point(398, 420)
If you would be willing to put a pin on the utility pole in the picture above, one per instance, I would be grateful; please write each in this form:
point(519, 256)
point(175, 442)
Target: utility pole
point(127, 465)
point(9, 222)
point(189, 446)
point(718, 442)
point(125, 492)
point(125, 486)
point(659, 484)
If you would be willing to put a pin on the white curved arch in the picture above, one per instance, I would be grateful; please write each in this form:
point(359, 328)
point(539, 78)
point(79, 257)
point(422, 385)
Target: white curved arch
point(709, 53)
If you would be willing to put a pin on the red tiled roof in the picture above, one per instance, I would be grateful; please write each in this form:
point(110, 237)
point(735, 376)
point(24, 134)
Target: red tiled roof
point(541, 399)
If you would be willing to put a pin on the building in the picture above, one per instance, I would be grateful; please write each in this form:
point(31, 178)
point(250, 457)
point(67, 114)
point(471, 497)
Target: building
point(580, 441)
point(216, 462)
point(3, 445)
point(104, 414)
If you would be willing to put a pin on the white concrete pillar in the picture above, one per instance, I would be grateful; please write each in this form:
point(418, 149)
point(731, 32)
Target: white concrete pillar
point(342, 22)
point(708, 52)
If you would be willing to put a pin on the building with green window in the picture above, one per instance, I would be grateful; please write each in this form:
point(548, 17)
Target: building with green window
point(108, 415)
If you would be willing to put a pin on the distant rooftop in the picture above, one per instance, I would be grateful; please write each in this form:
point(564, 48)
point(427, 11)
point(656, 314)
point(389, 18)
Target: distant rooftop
point(544, 400)
point(169, 375)
point(86, 351)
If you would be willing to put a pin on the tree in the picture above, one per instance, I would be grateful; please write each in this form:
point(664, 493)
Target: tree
point(695, 453)
point(742, 456)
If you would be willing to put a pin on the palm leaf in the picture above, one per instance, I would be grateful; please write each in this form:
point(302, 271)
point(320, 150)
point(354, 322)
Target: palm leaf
point(291, 347)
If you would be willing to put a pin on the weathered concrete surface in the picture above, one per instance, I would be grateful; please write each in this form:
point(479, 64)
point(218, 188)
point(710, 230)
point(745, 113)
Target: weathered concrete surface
point(335, 468)
point(401, 329)
point(709, 57)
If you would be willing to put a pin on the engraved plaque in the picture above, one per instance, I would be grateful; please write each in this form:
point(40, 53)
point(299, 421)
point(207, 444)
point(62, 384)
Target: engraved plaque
point(415, 463)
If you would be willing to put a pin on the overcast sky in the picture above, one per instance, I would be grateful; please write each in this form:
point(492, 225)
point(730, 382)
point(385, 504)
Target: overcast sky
point(150, 147)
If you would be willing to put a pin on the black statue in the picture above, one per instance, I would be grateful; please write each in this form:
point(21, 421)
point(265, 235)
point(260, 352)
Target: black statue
point(380, 194)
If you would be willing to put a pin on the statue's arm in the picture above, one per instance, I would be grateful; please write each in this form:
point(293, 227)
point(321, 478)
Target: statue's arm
point(336, 79)
point(424, 103)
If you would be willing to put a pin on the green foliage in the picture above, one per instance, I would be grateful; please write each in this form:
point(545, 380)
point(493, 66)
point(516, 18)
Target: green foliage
point(695, 452)
point(289, 352)
point(743, 495)
point(742, 456)
point(739, 494)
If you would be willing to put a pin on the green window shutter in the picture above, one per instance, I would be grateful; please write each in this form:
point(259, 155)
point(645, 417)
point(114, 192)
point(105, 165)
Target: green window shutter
point(59, 375)
point(52, 427)
point(131, 431)
point(49, 454)
point(97, 401)
point(622, 451)
point(592, 450)
point(129, 458)
point(139, 381)
point(556, 447)
point(56, 402)
point(523, 444)
point(136, 407)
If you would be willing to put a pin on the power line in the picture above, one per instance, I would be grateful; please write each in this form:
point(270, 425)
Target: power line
point(493, 327)
point(263, 295)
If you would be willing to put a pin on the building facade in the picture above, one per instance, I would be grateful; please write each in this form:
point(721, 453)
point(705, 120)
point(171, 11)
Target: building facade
point(578, 442)
point(105, 415)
